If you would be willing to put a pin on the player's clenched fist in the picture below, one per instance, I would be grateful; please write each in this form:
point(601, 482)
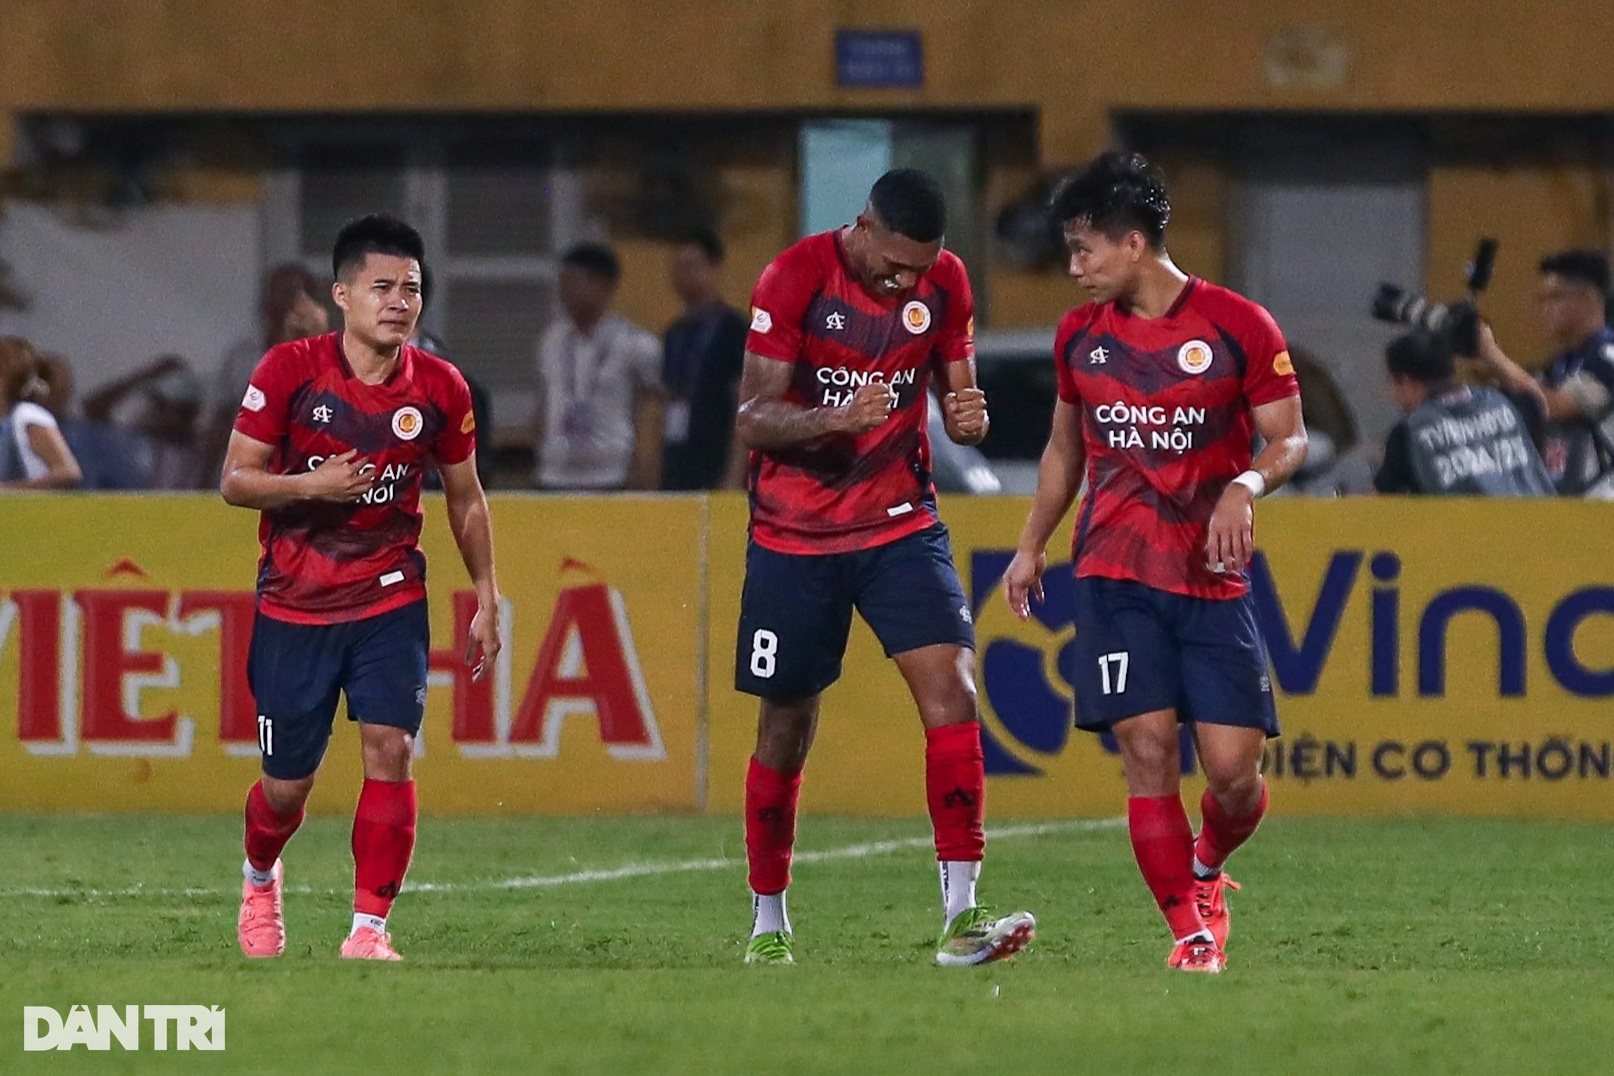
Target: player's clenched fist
point(965, 411)
point(342, 477)
point(869, 407)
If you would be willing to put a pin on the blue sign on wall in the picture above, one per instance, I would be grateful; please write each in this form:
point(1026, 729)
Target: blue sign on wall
point(879, 58)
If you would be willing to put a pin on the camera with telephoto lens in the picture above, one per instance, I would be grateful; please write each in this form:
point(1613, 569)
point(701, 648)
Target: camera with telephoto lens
point(1456, 323)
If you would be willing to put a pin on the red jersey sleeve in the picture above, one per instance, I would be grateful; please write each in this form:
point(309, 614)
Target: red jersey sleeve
point(779, 305)
point(458, 439)
point(1270, 374)
point(1069, 326)
point(265, 411)
point(957, 341)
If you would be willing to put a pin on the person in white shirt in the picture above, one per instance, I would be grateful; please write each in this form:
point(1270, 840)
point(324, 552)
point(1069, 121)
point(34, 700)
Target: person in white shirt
point(33, 454)
point(600, 399)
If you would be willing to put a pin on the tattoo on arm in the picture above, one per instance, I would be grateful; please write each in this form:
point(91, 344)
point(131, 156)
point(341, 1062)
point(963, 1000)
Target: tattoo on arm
point(766, 419)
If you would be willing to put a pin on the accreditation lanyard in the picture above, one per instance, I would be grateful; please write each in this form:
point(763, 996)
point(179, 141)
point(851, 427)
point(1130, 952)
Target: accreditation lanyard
point(585, 383)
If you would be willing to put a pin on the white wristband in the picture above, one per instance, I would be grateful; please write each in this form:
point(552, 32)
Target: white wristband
point(1252, 481)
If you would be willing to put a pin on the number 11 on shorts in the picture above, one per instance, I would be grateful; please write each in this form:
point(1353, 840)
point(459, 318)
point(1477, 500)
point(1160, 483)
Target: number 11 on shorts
point(1118, 662)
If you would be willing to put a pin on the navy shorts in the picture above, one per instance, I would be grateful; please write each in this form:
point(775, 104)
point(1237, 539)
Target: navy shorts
point(1140, 649)
point(796, 610)
point(297, 671)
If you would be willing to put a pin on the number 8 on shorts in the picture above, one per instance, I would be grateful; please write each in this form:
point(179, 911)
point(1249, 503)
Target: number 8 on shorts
point(764, 649)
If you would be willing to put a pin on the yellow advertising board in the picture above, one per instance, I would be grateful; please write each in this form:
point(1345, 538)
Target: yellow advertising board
point(1428, 656)
point(124, 624)
point(1443, 657)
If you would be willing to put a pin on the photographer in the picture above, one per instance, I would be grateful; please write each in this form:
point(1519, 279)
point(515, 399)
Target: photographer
point(1576, 392)
point(1456, 439)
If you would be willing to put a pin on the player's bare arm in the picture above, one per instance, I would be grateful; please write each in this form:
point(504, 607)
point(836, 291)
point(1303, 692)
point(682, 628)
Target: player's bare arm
point(472, 526)
point(767, 420)
point(1059, 479)
point(1231, 540)
point(62, 471)
point(963, 403)
point(247, 483)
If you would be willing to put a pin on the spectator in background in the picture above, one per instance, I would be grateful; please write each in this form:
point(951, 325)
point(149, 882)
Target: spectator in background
point(1456, 439)
point(33, 453)
point(481, 398)
point(108, 456)
point(600, 416)
point(160, 405)
point(291, 307)
point(704, 351)
point(1575, 395)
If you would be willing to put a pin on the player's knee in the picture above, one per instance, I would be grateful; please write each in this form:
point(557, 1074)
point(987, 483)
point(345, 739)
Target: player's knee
point(388, 753)
point(785, 732)
point(286, 796)
point(950, 705)
point(1234, 785)
point(1153, 766)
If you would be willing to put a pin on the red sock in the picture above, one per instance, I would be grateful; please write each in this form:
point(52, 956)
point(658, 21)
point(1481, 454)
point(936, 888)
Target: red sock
point(955, 788)
point(1163, 842)
point(267, 831)
point(383, 842)
point(770, 826)
point(1221, 833)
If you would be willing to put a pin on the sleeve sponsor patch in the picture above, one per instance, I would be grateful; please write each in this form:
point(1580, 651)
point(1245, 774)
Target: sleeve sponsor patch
point(761, 320)
point(468, 423)
point(254, 400)
point(1282, 365)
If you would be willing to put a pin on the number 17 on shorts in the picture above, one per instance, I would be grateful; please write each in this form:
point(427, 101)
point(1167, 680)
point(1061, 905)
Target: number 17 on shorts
point(1112, 670)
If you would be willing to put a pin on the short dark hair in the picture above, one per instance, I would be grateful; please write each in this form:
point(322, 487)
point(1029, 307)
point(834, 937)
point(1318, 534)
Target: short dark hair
point(1586, 266)
point(375, 234)
point(1115, 193)
point(910, 203)
point(1421, 356)
point(595, 258)
point(709, 242)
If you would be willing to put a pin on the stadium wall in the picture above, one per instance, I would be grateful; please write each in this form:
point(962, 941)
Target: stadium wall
point(1444, 658)
point(1075, 65)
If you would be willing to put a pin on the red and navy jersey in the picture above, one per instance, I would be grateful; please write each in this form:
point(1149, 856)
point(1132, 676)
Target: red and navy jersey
point(324, 562)
point(1166, 419)
point(842, 493)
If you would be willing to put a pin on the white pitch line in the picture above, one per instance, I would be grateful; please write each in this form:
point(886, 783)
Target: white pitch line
point(631, 870)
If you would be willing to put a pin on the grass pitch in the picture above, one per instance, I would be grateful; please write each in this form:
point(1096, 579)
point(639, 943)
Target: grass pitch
point(1413, 946)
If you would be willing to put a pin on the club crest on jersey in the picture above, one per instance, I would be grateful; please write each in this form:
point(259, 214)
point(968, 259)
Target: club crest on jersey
point(916, 317)
point(407, 422)
point(1194, 357)
point(322, 413)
